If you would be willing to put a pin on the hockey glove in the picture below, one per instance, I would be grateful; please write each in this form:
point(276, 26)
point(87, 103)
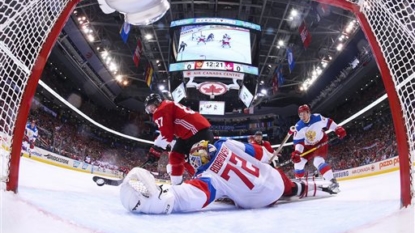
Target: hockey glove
point(154, 154)
point(295, 156)
point(32, 144)
point(341, 132)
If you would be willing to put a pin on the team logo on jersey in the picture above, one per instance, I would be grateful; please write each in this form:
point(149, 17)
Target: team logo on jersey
point(310, 136)
point(212, 88)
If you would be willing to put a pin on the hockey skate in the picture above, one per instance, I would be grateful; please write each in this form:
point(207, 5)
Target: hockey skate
point(333, 188)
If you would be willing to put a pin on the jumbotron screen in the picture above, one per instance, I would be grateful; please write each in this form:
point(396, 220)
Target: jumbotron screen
point(214, 42)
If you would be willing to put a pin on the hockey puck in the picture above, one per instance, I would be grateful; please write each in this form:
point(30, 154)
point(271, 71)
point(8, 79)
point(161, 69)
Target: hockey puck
point(100, 182)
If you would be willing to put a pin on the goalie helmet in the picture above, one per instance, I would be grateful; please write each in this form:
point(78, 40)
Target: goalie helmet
point(201, 153)
point(152, 99)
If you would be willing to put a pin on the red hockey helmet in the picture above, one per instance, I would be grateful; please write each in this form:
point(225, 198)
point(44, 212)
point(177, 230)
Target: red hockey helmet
point(303, 108)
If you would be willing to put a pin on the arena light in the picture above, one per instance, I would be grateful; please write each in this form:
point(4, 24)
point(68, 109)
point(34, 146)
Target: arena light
point(91, 38)
point(293, 13)
point(125, 82)
point(148, 36)
point(104, 54)
point(118, 78)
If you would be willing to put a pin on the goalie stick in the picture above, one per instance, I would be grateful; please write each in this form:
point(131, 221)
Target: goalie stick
point(100, 181)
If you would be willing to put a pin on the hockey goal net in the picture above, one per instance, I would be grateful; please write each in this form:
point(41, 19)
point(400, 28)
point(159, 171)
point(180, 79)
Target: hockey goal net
point(196, 35)
point(389, 27)
point(28, 31)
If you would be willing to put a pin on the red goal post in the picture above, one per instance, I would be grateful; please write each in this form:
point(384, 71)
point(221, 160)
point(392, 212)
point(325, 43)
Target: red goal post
point(389, 26)
point(28, 31)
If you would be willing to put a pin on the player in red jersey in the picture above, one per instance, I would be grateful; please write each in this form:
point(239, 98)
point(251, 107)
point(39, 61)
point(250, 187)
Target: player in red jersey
point(201, 39)
point(258, 140)
point(176, 121)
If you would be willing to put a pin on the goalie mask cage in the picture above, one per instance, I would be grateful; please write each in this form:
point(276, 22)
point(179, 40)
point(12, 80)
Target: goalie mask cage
point(30, 28)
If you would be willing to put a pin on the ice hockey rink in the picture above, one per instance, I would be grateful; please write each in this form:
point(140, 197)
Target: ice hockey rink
point(52, 199)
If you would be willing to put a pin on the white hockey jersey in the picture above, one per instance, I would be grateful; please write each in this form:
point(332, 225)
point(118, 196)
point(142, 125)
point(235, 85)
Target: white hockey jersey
point(312, 132)
point(235, 171)
point(31, 132)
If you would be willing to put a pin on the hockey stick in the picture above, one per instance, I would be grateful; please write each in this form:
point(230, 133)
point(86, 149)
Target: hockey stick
point(100, 181)
point(308, 152)
point(290, 132)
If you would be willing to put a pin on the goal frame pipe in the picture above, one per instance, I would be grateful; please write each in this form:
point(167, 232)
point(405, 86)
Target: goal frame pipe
point(29, 92)
point(393, 98)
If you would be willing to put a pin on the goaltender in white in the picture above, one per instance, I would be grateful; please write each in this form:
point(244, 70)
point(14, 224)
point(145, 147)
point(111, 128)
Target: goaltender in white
point(228, 168)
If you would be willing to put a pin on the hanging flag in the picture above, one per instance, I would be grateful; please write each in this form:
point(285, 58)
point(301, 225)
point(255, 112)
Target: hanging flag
point(275, 82)
point(125, 31)
point(305, 35)
point(281, 79)
point(277, 79)
point(137, 53)
point(149, 74)
point(290, 59)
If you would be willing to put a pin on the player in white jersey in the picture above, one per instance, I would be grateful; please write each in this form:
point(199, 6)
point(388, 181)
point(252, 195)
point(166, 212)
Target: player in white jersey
point(228, 168)
point(310, 133)
point(30, 136)
point(226, 41)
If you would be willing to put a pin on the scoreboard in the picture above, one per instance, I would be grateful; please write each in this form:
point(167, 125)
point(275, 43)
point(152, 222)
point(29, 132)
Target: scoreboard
point(213, 65)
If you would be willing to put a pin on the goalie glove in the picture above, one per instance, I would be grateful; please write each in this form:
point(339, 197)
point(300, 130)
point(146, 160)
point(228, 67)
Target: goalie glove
point(139, 193)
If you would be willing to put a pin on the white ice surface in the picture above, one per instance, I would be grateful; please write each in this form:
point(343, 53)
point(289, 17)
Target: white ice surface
point(52, 199)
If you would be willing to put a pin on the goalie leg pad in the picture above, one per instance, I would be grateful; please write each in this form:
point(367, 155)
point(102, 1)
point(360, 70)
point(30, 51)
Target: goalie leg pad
point(139, 193)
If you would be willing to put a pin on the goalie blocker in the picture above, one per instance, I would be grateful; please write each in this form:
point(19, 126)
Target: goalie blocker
point(226, 169)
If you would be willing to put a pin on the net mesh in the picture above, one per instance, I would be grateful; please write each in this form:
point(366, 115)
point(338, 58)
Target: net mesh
point(393, 24)
point(24, 27)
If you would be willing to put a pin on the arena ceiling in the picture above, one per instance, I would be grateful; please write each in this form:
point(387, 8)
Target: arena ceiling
point(325, 25)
